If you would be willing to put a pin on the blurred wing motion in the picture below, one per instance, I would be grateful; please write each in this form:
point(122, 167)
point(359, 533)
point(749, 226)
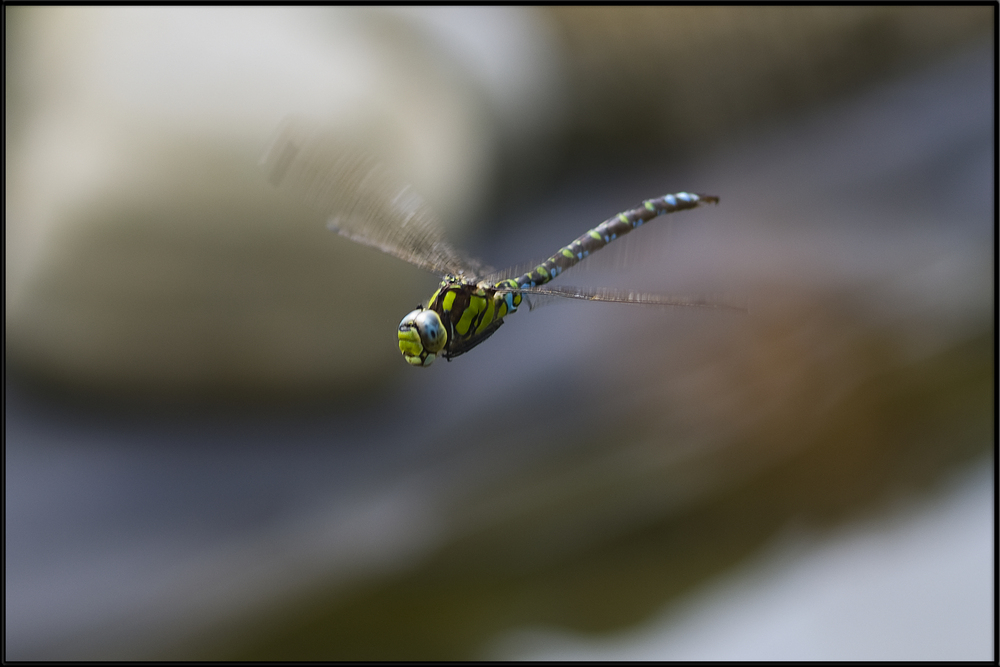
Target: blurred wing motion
point(361, 197)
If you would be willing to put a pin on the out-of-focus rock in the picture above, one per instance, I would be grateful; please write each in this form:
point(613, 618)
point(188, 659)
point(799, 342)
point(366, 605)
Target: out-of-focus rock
point(145, 251)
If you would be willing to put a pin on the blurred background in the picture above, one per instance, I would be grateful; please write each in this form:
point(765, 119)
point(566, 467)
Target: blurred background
point(214, 450)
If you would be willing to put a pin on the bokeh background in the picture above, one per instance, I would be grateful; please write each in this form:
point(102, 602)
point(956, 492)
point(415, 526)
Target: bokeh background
point(213, 449)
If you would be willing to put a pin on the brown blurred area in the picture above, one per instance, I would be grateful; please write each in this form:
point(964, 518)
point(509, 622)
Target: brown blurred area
point(674, 483)
point(686, 77)
point(590, 464)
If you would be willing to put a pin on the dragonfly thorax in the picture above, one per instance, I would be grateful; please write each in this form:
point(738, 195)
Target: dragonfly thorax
point(458, 316)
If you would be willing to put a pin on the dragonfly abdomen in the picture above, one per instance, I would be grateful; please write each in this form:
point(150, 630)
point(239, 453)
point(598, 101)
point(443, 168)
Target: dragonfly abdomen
point(606, 232)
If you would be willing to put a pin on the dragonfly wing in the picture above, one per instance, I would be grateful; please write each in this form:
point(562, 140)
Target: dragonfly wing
point(626, 296)
point(362, 199)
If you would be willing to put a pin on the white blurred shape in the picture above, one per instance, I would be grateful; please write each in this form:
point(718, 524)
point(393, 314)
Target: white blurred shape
point(913, 584)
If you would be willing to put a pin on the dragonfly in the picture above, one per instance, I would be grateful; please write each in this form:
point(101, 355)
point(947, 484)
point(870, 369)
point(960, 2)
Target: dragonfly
point(367, 203)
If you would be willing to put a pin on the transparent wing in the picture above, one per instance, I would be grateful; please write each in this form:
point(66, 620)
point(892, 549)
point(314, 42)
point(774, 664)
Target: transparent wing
point(361, 197)
point(625, 296)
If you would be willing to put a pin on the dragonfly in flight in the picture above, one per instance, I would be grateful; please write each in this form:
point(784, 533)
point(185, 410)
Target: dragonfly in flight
point(367, 204)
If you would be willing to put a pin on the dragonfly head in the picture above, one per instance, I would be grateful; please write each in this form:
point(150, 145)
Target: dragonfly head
point(421, 336)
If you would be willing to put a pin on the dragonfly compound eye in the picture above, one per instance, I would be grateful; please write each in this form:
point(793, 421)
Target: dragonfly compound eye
point(421, 336)
point(431, 330)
